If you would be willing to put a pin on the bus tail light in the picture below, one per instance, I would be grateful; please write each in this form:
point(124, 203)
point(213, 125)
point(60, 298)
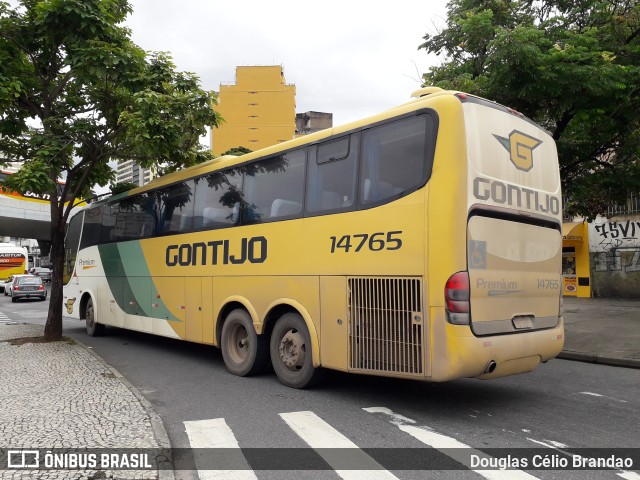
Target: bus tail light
point(456, 298)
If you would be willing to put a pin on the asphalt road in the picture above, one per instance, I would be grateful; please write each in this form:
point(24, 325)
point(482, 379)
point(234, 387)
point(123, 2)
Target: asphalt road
point(561, 406)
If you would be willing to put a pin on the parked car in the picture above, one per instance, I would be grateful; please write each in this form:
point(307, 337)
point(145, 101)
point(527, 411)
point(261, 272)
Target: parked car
point(27, 286)
point(42, 272)
point(8, 284)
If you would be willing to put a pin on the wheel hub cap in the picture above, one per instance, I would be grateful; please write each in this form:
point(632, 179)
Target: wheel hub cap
point(292, 350)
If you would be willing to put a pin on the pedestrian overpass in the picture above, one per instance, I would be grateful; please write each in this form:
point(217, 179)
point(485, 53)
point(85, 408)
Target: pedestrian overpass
point(25, 217)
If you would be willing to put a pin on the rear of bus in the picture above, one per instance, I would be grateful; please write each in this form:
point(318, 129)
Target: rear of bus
point(500, 312)
point(13, 261)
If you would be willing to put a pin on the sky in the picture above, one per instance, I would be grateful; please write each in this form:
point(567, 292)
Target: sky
point(351, 58)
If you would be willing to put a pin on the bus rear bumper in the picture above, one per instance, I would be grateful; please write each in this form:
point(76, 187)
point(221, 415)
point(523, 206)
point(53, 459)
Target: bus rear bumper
point(493, 356)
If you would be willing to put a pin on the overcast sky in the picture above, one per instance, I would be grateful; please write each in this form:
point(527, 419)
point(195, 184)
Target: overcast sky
point(351, 58)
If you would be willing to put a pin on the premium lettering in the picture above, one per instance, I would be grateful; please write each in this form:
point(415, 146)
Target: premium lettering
point(217, 252)
point(514, 196)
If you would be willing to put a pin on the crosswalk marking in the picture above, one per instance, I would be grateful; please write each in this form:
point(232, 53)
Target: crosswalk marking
point(447, 445)
point(4, 320)
point(215, 433)
point(318, 434)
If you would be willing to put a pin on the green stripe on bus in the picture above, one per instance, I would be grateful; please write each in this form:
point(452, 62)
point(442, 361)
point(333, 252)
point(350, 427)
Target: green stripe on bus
point(129, 280)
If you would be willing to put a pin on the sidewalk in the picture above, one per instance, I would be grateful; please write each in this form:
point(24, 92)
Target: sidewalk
point(602, 330)
point(59, 395)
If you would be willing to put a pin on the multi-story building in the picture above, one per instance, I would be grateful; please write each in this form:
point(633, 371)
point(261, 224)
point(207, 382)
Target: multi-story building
point(130, 171)
point(259, 110)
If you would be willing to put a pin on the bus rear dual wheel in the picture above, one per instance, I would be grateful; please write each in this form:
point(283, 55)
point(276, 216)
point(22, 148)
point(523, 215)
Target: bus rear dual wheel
point(247, 353)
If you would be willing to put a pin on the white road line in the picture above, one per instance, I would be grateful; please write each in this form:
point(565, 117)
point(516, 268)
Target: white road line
point(395, 418)
point(447, 445)
point(592, 394)
point(215, 433)
point(628, 475)
point(318, 434)
point(603, 396)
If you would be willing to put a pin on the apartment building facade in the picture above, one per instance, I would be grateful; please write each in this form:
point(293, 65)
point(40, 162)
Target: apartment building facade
point(259, 110)
point(130, 171)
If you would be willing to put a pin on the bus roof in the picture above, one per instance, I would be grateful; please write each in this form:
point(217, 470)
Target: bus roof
point(420, 98)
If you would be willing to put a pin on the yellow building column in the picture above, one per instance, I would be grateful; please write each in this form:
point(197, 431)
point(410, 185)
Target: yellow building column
point(576, 279)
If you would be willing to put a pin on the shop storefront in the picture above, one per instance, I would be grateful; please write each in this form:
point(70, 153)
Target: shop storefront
point(575, 260)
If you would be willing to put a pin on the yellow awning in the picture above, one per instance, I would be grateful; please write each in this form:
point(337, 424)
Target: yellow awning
point(575, 231)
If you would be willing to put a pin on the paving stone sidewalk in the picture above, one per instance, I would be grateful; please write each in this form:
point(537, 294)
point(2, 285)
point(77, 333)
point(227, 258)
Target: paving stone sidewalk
point(60, 395)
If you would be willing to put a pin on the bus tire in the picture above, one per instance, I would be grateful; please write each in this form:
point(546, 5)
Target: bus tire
point(291, 356)
point(94, 329)
point(243, 350)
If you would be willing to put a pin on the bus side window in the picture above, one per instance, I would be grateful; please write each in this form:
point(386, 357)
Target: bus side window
point(217, 200)
point(274, 188)
point(331, 182)
point(177, 203)
point(393, 159)
point(92, 230)
point(71, 242)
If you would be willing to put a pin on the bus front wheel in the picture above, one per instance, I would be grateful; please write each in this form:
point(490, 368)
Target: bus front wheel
point(243, 350)
point(94, 329)
point(291, 352)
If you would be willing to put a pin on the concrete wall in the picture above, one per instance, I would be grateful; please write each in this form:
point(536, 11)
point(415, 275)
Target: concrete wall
point(614, 246)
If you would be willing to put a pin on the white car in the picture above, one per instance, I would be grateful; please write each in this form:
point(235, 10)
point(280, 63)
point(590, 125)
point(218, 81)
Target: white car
point(3, 284)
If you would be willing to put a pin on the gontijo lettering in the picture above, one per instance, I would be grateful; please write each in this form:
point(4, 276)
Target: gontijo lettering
point(514, 196)
point(216, 252)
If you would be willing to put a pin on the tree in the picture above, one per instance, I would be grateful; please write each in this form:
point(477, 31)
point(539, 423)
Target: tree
point(236, 151)
point(75, 93)
point(572, 66)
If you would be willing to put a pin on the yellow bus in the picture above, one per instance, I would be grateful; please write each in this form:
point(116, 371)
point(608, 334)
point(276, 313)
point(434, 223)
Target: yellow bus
point(424, 243)
point(13, 261)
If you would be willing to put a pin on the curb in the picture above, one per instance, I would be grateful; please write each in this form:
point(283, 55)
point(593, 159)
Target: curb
point(599, 359)
point(157, 426)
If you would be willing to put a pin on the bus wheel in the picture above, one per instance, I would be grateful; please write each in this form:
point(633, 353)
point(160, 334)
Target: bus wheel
point(243, 350)
point(291, 352)
point(93, 329)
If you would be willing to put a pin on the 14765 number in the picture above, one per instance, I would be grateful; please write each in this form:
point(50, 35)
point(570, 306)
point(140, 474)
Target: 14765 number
point(374, 241)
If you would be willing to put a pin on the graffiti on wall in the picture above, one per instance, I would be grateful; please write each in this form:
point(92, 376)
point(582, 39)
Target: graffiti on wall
point(616, 246)
point(613, 261)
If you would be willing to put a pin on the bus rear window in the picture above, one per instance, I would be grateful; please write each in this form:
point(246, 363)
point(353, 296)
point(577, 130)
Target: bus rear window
point(394, 159)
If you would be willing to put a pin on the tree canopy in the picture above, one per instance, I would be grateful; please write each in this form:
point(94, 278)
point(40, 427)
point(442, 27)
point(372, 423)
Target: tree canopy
point(572, 66)
point(76, 93)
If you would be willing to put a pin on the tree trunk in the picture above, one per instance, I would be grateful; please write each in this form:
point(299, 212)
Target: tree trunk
point(53, 327)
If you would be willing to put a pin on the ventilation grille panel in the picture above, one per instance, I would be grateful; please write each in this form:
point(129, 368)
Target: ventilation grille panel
point(386, 328)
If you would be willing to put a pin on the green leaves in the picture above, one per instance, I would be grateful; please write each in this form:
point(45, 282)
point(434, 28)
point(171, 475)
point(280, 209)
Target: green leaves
point(95, 96)
point(33, 178)
point(77, 93)
point(571, 66)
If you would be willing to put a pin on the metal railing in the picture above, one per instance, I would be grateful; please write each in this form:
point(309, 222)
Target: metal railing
point(632, 206)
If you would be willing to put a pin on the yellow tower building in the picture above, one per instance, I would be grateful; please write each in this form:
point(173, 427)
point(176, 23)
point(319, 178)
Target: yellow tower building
point(259, 110)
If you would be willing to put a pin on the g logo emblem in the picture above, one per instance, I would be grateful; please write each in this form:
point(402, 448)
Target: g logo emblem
point(69, 305)
point(520, 147)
